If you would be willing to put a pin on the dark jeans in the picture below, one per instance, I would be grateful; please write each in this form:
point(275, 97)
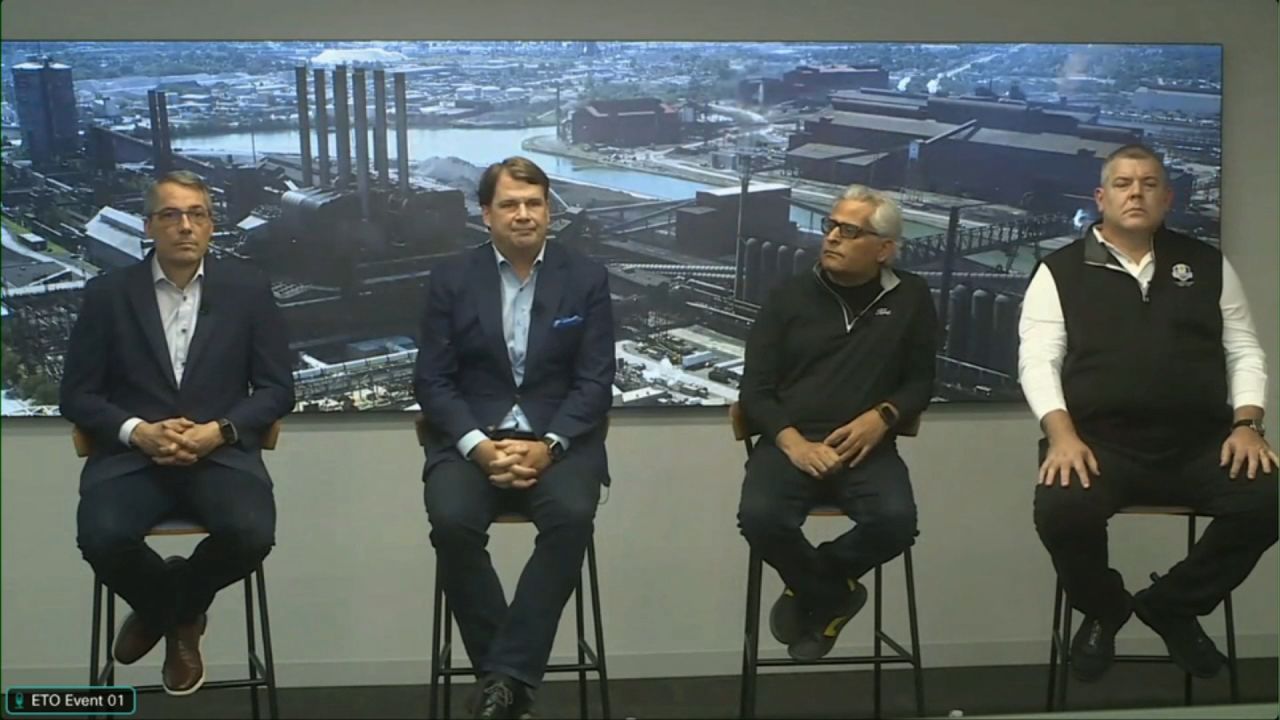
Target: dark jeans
point(777, 497)
point(237, 508)
point(1072, 523)
point(461, 504)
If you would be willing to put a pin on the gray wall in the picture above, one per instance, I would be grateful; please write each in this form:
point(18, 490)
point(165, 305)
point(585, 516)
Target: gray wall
point(350, 578)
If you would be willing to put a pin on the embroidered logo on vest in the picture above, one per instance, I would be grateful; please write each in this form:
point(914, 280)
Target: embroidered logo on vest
point(1182, 275)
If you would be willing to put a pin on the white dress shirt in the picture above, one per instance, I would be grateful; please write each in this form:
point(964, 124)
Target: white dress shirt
point(1043, 334)
point(179, 312)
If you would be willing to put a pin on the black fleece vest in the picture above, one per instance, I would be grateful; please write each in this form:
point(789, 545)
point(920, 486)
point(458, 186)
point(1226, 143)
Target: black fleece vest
point(1145, 374)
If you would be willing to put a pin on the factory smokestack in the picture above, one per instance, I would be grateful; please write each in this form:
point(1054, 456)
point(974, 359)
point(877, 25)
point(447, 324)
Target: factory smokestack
point(304, 124)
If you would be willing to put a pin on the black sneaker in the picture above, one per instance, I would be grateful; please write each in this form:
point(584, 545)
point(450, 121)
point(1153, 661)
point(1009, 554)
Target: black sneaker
point(787, 618)
point(1187, 642)
point(824, 626)
point(1093, 649)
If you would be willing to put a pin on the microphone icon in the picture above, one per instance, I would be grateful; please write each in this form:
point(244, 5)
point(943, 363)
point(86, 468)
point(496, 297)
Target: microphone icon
point(18, 701)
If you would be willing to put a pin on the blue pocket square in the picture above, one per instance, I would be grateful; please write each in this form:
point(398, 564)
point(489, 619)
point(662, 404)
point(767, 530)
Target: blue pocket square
point(568, 321)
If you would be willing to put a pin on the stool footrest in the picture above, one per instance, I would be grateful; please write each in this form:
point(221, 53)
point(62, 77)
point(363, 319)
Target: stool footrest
point(842, 660)
point(258, 665)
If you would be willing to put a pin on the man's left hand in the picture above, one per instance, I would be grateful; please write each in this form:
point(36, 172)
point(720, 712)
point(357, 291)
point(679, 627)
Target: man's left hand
point(1246, 448)
point(202, 439)
point(857, 438)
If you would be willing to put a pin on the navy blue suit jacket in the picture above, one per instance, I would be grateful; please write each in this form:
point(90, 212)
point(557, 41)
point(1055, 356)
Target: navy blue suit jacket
point(463, 377)
point(117, 365)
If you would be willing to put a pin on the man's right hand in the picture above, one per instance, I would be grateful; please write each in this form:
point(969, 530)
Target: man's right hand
point(1067, 454)
point(162, 441)
point(485, 454)
point(815, 458)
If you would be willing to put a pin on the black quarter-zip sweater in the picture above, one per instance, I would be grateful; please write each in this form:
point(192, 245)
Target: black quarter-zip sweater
point(814, 363)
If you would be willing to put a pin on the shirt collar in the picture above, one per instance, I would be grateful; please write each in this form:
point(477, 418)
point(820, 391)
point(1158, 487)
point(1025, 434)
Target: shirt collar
point(158, 276)
point(1115, 252)
point(502, 260)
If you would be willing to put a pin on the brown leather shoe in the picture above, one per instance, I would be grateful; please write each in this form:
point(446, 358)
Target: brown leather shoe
point(134, 640)
point(183, 671)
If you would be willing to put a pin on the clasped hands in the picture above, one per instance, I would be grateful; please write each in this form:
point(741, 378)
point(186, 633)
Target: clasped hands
point(176, 441)
point(512, 463)
point(847, 445)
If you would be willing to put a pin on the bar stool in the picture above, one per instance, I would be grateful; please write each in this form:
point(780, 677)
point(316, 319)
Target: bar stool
point(262, 669)
point(590, 659)
point(751, 660)
point(1060, 642)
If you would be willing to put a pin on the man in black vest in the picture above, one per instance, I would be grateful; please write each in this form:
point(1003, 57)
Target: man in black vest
point(1139, 357)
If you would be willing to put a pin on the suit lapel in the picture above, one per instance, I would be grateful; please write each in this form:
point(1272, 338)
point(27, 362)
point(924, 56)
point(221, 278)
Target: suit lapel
point(546, 302)
point(142, 294)
point(488, 294)
point(208, 316)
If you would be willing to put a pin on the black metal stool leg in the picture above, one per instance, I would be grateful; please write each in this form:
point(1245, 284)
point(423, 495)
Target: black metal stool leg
point(433, 696)
point(875, 645)
point(446, 660)
point(601, 670)
point(751, 639)
point(96, 639)
point(111, 636)
point(252, 643)
point(913, 621)
point(582, 653)
point(1187, 687)
point(269, 659)
point(1229, 615)
point(1064, 659)
point(1054, 645)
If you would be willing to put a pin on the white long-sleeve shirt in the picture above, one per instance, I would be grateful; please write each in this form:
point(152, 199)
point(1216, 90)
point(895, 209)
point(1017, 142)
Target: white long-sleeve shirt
point(1043, 333)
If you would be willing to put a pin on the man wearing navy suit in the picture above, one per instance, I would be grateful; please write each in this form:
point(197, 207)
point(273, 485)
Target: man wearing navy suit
point(514, 375)
point(176, 368)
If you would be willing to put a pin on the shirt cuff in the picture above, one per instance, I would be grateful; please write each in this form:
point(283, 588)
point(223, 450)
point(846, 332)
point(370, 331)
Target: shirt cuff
point(564, 441)
point(126, 430)
point(470, 441)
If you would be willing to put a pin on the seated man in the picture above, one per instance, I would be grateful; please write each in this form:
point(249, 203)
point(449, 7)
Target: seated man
point(1136, 346)
point(836, 360)
point(515, 374)
point(158, 374)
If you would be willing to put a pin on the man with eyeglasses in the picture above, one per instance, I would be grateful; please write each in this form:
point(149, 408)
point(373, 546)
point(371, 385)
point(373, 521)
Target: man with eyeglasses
point(837, 360)
point(176, 367)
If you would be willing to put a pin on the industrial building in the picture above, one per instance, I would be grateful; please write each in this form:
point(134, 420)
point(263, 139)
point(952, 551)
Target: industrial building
point(46, 106)
point(626, 123)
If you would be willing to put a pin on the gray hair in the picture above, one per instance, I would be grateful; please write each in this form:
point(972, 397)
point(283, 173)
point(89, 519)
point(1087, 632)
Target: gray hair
point(1133, 151)
point(185, 178)
point(886, 218)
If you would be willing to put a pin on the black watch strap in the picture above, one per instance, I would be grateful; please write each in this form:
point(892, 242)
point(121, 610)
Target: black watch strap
point(228, 430)
point(555, 447)
point(1254, 425)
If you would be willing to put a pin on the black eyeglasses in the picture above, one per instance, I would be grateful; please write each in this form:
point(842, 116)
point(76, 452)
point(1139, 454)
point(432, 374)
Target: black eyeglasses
point(173, 216)
point(848, 231)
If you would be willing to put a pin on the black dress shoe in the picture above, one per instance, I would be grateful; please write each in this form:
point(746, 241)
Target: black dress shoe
point(1093, 649)
point(1189, 646)
point(502, 697)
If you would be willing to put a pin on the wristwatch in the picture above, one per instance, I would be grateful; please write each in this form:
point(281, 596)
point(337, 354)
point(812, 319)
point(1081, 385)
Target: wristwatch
point(888, 414)
point(555, 447)
point(228, 430)
point(1254, 425)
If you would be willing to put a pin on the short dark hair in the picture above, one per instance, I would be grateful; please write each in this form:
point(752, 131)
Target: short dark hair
point(185, 178)
point(519, 168)
point(1133, 151)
